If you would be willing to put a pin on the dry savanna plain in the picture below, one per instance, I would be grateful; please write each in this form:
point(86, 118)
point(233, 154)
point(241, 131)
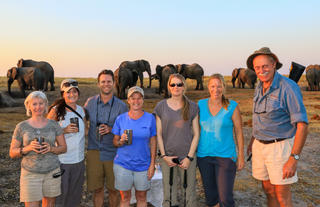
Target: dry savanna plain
point(247, 191)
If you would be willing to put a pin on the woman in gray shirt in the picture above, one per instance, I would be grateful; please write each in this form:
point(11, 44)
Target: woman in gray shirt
point(38, 141)
point(178, 136)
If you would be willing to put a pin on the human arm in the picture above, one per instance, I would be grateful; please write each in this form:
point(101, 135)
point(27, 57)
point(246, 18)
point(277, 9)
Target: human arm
point(61, 146)
point(290, 166)
point(153, 150)
point(185, 163)
point(71, 128)
point(167, 159)
point(237, 122)
point(119, 141)
point(17, 150)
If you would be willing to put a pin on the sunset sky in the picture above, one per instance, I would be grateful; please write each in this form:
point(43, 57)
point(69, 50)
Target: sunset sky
point(80, 38)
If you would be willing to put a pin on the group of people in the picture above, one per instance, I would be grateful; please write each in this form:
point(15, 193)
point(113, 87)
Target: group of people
point(122, 142)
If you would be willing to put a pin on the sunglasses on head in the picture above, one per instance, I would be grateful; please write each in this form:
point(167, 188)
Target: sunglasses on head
point(176, 84)
point(68, 84)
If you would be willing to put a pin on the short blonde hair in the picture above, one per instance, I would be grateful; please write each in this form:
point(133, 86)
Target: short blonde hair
point(33, 95)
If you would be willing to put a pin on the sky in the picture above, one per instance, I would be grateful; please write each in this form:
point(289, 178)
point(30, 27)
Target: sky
point(80, 38)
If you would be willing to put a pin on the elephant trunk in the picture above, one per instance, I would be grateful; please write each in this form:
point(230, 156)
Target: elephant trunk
point(10, 81)
point(149, 73)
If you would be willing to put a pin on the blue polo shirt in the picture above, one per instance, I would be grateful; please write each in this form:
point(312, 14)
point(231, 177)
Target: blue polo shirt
point(277, 112)
point(103, 113)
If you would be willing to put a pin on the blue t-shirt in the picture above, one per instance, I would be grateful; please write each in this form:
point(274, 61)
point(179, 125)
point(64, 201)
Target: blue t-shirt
point(135, 157)
point(216, 135)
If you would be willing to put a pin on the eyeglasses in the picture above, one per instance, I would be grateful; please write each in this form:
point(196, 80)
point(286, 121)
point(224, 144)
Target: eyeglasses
point(262, 109)
point(68, 84)
point(176, 84)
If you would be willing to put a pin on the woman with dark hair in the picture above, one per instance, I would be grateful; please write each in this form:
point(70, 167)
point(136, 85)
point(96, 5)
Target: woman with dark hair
point(71, 118)
point(217, 154)
point(178, 136)
point(38, 141)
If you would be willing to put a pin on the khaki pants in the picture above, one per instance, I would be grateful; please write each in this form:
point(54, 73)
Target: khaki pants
point(178, 175)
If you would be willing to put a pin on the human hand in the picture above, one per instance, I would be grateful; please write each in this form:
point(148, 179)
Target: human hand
point(45, 148)
point(123, 139)
point(240, 162)
point(249, 148)
point(33, 146)
point(151, 171)
point(168, 160)
point(185, 163)
point(104, 129)
point(289, 168)
point(71, 128)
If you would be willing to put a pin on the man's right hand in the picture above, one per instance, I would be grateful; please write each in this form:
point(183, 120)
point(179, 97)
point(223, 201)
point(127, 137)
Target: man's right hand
point(249, 148)
point(168, 160)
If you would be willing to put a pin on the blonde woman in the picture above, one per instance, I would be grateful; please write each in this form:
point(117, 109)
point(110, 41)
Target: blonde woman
point(217, 154)
point(34, 140)
point(178, 135)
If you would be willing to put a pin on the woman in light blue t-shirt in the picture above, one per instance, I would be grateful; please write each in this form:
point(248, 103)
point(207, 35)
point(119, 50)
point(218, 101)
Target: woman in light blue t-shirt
point(217, 154)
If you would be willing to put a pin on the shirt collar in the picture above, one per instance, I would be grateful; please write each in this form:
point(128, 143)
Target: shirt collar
point(109, 102)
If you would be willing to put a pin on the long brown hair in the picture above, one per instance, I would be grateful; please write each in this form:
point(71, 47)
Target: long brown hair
point(60, 105)
point(225, 101)
point(186, 105)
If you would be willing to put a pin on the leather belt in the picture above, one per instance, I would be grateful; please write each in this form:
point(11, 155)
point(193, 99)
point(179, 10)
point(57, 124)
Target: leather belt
point(271, 141)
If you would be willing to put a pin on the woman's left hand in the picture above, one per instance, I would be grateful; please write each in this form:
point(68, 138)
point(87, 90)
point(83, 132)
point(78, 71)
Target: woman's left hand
point(45, 148)
point(184, 164)
point(240, 162)
point(151, 171)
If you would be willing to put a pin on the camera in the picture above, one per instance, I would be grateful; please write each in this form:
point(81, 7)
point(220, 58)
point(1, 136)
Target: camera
point(176, 160)
point(40, 140)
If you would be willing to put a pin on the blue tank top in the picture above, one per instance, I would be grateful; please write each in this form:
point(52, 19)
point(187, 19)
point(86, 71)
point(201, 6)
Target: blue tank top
point(216, 135)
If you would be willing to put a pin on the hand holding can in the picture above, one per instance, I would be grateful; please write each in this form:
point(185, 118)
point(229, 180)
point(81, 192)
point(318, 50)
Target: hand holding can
point(128, 132)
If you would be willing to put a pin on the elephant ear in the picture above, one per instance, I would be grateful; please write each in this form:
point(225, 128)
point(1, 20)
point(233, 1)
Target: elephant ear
point(20, 63)
point(14, 72)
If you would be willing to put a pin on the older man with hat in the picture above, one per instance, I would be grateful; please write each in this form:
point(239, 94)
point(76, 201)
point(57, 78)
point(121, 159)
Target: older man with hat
point(279, 128)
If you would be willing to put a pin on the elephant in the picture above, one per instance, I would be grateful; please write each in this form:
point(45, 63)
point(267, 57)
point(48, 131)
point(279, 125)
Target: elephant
point(124, 78)
point(244, 76)
point(163, 73)
point(26, 76)
point(139, 66)
point(45, 67)
point(193, 71)
point(313, 77)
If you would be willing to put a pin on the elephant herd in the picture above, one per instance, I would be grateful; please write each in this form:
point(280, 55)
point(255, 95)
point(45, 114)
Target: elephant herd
point(31, 74)
point(129, 71)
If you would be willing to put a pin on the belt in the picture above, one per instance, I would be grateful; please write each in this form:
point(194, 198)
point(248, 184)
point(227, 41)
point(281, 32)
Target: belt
point(271, 141)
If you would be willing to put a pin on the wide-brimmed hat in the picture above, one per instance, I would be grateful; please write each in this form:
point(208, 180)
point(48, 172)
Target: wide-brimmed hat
point(135, 89)
point(67, 84)
point(262, 51)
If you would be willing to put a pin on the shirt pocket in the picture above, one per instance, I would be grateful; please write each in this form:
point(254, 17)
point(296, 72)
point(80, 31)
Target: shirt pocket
point(273, 104)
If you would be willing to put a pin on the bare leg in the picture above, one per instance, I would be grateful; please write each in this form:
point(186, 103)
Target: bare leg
point(125, 198)
point(32, 204)
point(270, 191)
point(141, 197)
point(48, 202)
point(283, 194)
point(114, 198)
point(98, 197)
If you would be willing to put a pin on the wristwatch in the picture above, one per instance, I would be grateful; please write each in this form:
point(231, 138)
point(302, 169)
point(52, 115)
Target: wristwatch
point(190, 158)
point(295, 156)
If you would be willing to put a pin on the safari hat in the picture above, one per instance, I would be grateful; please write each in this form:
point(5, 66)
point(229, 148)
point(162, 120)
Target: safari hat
point(262, 51)
point(67, 84)
point(135, 89)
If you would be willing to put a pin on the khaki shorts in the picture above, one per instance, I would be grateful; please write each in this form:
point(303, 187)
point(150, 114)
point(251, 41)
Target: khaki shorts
point(35, 186)
point(99, 171)
point(268, 161)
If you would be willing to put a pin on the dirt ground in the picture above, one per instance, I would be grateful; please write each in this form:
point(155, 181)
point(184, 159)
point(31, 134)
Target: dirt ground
point(247, 190)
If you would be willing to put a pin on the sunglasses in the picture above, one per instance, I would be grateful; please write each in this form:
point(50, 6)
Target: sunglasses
point(68, 84)
point(176, 84)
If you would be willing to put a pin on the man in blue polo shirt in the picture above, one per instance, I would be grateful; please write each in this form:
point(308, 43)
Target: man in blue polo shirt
point(279, 128)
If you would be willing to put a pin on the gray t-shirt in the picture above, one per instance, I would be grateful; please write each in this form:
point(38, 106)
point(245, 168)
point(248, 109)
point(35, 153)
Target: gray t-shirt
point(177, 134)
point(33, 162)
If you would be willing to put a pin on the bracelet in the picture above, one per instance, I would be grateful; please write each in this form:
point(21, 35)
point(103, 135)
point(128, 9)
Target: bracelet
point(162, 156)
point(119, 143)
point(20, 152)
